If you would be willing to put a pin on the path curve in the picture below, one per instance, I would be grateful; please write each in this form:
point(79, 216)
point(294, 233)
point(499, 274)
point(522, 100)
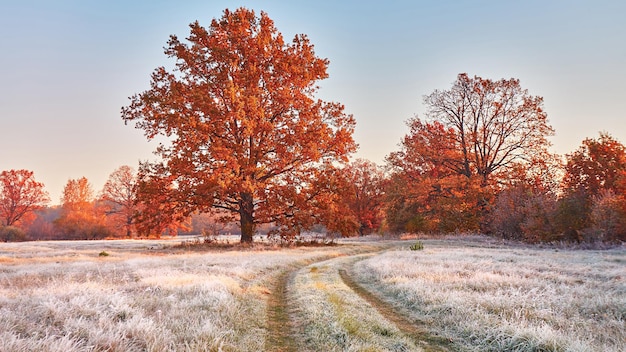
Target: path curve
point(281, 328)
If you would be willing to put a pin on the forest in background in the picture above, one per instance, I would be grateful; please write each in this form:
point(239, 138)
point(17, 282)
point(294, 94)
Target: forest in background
point(580, 200)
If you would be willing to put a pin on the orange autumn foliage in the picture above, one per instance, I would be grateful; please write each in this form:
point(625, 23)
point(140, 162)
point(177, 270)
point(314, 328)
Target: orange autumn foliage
point(159, 207)
point(20, 196)
point(448, 171)
point(80, 218)
point(364, 194)
point(594, 201)
point(246, 134)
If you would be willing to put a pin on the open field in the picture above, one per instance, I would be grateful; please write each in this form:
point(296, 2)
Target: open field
point(505, 299)
point(456, 294)
point(63, 296)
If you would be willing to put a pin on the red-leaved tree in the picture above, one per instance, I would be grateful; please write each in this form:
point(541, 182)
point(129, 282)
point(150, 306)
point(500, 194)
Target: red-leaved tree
point(20, 195)
point(247, 133)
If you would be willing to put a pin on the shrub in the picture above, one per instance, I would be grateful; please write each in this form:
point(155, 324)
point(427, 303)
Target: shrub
point(417, 246)
point(608, 217)
point(12, 234)
point(520, 213)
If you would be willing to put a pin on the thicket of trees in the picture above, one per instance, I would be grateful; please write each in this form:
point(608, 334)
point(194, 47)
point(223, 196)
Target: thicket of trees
point(480, 162)
point(20, 196)
point(249, 144)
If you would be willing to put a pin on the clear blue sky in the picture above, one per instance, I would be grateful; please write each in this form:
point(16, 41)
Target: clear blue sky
point(68, 66)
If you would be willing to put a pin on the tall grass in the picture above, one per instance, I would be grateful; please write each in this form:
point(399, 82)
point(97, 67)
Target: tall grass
point(508, 299)
point(61, 296)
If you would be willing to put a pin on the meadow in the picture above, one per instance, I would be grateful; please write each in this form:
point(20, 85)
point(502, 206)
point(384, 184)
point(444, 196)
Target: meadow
point(147, 296)
point(489, 297)
point(66, 296)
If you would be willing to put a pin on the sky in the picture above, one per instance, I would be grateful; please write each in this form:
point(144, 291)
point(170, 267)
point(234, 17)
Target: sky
point(68, 66)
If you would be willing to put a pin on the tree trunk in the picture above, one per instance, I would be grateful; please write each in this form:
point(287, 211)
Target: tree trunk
point(246, 217)
point(129, 223)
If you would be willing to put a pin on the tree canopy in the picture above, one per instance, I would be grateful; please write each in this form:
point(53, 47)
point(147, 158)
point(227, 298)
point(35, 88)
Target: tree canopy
point(20, 195)
point(120, 198)
point(246, 133)
point(450, 164)
point(490, 124)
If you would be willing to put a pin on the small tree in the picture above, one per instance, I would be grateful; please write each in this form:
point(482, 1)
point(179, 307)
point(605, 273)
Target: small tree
point(595, 166)
point(79, 217)
point(120, 199)
point(20, 195)
point(595, 171)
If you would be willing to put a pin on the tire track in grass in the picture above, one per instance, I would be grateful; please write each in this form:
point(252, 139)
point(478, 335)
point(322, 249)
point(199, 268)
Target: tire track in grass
point(282, 334)
point(415, 330)
point(279, 324)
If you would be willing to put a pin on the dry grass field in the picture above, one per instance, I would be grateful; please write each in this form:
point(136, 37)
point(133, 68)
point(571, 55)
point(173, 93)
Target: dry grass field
point(64, 296)
point(496, 298)
point(145, 296)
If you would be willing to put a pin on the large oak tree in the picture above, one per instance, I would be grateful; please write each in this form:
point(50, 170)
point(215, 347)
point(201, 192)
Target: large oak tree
point(246, 133)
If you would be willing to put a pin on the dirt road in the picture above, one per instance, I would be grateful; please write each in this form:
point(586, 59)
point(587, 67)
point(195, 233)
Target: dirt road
point(321, 305)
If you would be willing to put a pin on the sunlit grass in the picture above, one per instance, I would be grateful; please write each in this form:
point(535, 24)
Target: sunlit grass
point(484, 296)
point(495, 299)
point(62, 296)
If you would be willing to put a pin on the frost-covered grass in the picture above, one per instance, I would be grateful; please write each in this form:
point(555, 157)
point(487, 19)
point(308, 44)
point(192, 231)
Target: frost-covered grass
point(508, 298)
point(63, 296)
point(331, 317)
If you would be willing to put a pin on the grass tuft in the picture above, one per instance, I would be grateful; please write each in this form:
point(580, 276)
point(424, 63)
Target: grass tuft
point(417, 246)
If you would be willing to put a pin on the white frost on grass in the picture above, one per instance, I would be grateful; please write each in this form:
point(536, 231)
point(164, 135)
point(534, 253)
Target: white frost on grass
point(514, 299)
point(69, 299)
point(332, 317)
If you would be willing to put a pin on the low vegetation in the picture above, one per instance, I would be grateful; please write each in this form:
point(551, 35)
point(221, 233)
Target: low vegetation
point(468, 294)
point(66, 296)
point(503, 298)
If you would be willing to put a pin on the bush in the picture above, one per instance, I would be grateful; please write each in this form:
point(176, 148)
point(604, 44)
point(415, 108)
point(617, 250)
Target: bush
point(522, 214)
point(12, 234)
point(417, 246)
point(608, 217)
